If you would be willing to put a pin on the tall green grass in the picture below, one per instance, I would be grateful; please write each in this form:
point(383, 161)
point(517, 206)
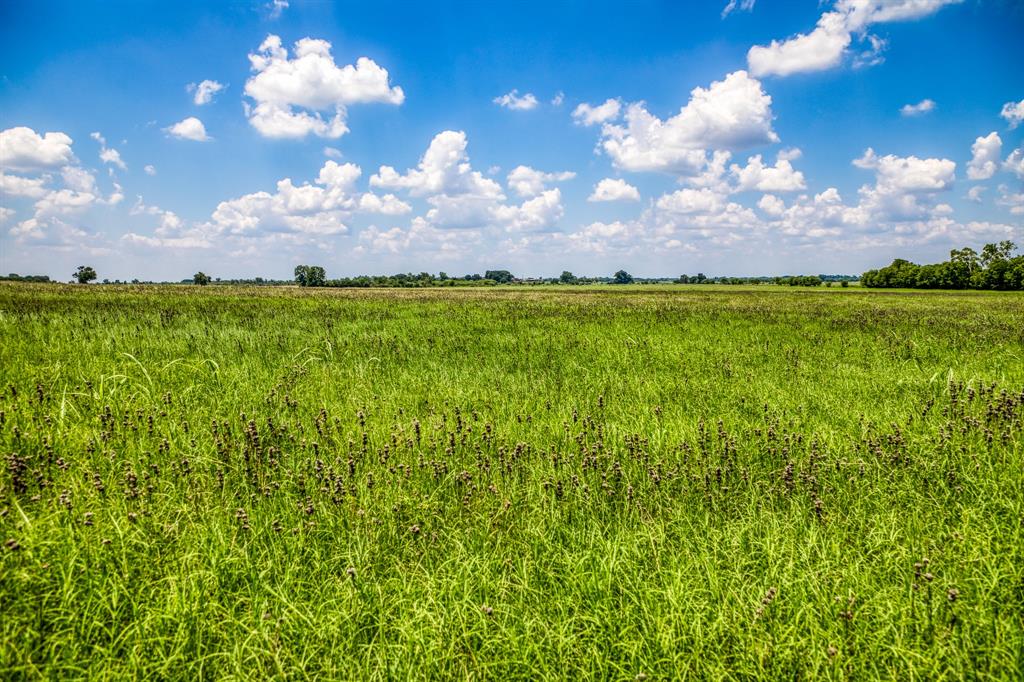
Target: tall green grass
point(620, 483)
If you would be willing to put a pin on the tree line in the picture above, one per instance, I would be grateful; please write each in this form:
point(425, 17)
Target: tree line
point(995, 268)
point(316, 276)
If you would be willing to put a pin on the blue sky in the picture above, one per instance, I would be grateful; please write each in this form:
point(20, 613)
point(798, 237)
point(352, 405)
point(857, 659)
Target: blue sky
point(661, 137)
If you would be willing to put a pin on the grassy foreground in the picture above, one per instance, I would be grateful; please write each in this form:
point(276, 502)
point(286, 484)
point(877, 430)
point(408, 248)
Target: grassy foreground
point(624, 483)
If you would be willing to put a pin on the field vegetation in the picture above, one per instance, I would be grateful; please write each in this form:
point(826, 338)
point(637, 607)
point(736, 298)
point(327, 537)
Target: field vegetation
point(617, 482)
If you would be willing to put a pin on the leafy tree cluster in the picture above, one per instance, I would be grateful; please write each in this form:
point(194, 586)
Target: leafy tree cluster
point(499, 276)
point(15, 277)
point(787, 280)
point(84, 274)
point(994, 268)
point(310, 276)
point(314, 276)
point(800, 281)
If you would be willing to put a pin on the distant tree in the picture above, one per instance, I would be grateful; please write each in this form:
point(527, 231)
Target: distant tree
point(567, 278)
point(622, 277)
point(84, 274)
point(992, 253)
point(310, 276)
point(499, 276)
point(201, 278)
point(965, 256)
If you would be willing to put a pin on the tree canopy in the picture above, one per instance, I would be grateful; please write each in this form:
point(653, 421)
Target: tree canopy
point(84, 274)
point(994, 268)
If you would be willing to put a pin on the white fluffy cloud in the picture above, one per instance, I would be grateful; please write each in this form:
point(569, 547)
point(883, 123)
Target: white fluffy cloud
point(190, 128)
point(1013, 112)
point(771, 204)
point(108, 155)
point(54, 206)
point(23, 149)
point(462, 198)
point(1014, 163)
point(781, 177)
point(443, 169)
point(318, 208)
point(291, 93)
point(732, 113)
point(170, 232)
point(420, 238)
point(909, 174)
point(203, 92)
point(820, 49)
point(150, 169)
point(985, 153)
point(275, 8)
point(919, 109)
point(614, 189)
point(529, 182)
point(18, 186)
point(906, 188)
point(825, 46)
point(1014, 201)
point(588, 115)
point(692, 201)
point(516, 102)
point(539, 213)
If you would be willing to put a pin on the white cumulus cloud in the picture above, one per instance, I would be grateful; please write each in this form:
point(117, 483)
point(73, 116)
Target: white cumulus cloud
point(529, 182)
point(588, 115)
point(190, 128)
point(203, 92)
point(825, 46)
point(291, 93)
point(443, 169)
point(322, 207)
point(108, 155)
point(985, 155)
point(462, 198)
point(1013, 112)
point(614, 189)
point(513, 100)
point(23, 149)
point(1014, 163)
point(18, 186)
point(730, 114)
point(922, 107)
point(781, 177)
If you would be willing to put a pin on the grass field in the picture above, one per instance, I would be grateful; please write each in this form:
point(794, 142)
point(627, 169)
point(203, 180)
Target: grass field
point(617, 483)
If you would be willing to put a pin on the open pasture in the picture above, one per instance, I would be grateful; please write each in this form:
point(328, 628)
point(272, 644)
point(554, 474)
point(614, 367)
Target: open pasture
point(613, 483)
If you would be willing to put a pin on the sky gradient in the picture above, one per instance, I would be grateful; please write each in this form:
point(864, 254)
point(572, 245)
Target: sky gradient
point(152, 140)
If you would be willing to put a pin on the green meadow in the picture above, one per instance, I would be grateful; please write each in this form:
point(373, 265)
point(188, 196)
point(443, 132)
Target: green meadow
point(619, 482)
